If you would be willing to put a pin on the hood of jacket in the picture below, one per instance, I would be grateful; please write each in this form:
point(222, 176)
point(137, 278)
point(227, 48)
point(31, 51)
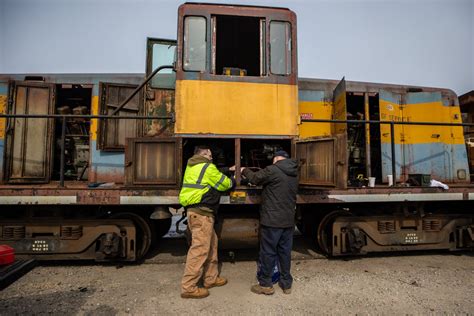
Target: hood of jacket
point(288, 166)
point(197, 159)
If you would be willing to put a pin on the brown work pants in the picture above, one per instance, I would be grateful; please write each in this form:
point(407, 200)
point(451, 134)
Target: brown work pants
point(202, 255)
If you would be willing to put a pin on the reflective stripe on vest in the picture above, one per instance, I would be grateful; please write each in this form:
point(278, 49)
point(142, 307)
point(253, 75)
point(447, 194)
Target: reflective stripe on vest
point(198, 184)
point(219, 182)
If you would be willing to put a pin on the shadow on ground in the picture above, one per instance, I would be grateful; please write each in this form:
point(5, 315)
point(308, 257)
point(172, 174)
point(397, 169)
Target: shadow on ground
point(56, 303)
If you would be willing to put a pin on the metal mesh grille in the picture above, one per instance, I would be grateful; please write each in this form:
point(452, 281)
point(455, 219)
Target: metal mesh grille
point(431, 225)
point(13, 232)
point(386, 226)
point(71, 232)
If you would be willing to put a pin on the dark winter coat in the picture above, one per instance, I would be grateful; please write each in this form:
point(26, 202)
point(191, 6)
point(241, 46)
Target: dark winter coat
point(280, 185)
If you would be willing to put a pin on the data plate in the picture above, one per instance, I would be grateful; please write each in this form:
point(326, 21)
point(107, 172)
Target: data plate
point(411, 238)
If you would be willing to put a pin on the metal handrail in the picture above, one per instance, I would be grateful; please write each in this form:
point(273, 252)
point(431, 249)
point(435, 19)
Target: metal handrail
point(88, 116)
point(171, 117)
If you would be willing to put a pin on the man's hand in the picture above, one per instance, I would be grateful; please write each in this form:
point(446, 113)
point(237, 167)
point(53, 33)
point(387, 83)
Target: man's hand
point(232, 168)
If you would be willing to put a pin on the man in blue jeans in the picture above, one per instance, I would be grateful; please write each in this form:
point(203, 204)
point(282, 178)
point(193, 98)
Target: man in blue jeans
point(277, 220)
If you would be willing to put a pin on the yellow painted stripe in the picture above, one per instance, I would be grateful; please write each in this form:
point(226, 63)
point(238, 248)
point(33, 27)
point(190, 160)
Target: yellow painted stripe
point(421, 112)
point(432, 112)
point(3, 109)
point(94, 122)
point(217, 107)
point(315, 110)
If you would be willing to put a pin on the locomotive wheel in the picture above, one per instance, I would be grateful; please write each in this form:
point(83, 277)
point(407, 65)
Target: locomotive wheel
point(143, 232)
point(324, 233)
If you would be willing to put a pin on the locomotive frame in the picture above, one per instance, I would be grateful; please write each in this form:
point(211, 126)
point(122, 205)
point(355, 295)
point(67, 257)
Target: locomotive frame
point(113, 150)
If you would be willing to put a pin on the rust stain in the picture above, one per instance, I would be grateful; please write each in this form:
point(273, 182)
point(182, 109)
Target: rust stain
point(3, 107)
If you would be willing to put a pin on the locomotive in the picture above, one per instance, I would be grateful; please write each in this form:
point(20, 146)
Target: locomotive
point(91, 165)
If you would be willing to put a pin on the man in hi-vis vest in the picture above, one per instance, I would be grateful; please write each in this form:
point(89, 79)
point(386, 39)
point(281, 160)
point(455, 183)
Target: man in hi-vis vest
point(200, 196)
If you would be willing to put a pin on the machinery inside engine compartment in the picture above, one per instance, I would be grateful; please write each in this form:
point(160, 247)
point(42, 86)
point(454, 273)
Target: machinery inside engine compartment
point(254, 153)
point(363, 141)
point(72, 100)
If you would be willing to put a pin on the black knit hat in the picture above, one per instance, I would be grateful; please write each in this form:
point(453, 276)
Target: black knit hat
point(281, 153)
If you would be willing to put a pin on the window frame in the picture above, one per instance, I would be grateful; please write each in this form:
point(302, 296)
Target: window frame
point(184, 41)
point(151, 41)
point(289, 58)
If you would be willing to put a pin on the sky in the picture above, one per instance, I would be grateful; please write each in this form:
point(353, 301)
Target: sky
point(423, 42)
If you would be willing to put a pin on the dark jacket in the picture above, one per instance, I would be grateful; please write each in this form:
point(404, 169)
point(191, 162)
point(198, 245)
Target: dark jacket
point(280, 185)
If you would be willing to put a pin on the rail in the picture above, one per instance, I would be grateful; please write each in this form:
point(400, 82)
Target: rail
point(65, 117)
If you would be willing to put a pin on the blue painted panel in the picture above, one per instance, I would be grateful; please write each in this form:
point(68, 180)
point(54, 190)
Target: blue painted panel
point(387, 161)
point(441, 161)
point(310, 95)
point(390, 97)
point(106, 165)
point(386, 148)
point(423, 97)
point(4, 88)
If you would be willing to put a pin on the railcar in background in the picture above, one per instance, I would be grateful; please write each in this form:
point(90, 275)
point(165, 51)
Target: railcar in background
point(91, 165)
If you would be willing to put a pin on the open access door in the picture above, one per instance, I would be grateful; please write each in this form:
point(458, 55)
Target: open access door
point(390, 109)
point(29, 141)
point(340, 108)
point(160, 91)
point(322, 162)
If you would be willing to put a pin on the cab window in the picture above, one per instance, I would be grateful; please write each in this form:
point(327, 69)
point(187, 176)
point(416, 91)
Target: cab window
point(195, 43)
point(239, 45)
point(161, 53)
point(280, 48)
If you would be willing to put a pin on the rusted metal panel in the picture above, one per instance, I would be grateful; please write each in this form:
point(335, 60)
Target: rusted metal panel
point(160, 93)
point(97, 197)
point(29, 141)
point(38, 200)
point(66, 239)
point(317, 160)
point(153, 161)
point(340, 108)
point(366, 234)
point(112, 133)
point(159, 102)
point(342, 161)
point(237, 233)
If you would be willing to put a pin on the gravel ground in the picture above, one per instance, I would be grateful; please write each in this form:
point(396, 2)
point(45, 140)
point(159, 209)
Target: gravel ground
point(423, 283)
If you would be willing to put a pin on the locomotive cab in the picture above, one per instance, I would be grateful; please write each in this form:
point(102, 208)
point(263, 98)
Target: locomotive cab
point(236, 71)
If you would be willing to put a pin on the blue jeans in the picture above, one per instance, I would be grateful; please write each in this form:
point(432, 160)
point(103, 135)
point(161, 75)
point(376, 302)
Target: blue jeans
point(275, 244)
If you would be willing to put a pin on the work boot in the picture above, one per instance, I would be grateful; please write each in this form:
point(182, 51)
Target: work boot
point(220, 281)
point(258, 289)
point(199, 293)
point(286, 291)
